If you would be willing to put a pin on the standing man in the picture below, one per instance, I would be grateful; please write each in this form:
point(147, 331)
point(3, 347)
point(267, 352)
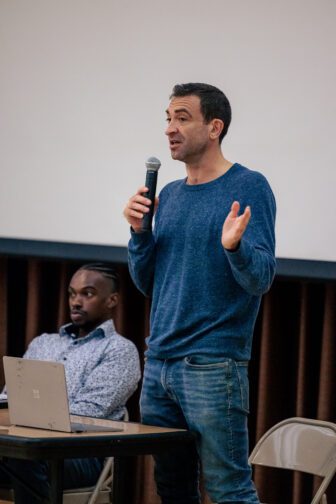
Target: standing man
point(102, 371)
point(206, 265)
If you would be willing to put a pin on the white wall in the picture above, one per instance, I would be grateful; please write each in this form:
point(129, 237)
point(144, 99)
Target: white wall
point(83, 89)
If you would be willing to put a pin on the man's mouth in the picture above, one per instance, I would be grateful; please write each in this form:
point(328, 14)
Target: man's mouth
point(75, 314)
point(174, 143)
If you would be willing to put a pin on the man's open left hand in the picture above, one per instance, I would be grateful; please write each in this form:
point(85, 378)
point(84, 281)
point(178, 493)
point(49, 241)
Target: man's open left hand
point(235, 226)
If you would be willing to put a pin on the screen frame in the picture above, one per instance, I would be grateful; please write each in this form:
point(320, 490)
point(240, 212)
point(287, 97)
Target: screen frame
point(285, 268)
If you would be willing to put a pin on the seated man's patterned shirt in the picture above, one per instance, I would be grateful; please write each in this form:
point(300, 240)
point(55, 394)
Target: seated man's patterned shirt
point(102, 369)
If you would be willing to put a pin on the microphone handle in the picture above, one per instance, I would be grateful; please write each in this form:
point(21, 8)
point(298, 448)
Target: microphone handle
point(151, 179)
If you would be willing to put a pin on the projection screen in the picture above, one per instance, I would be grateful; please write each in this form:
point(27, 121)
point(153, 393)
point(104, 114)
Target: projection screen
point(85, 84)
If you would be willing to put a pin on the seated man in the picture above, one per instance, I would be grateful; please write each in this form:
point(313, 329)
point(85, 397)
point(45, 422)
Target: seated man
point(102, 371)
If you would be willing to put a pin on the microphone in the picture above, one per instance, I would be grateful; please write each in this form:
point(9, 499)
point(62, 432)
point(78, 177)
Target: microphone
point(152, 165)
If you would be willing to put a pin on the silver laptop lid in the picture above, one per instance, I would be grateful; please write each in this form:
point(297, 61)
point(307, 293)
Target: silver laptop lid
point(37, 393)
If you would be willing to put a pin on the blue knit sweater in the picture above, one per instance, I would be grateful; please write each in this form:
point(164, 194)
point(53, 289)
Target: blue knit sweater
point(205, 299)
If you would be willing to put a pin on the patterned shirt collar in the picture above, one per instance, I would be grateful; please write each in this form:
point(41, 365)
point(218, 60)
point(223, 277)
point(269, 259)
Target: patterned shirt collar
point(107, 328)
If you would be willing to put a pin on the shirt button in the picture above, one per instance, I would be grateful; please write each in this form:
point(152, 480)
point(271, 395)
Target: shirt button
point(64, 358)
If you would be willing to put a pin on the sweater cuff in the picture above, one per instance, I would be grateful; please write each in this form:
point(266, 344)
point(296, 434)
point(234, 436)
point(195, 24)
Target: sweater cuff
point(241, 257)
point(141, 238)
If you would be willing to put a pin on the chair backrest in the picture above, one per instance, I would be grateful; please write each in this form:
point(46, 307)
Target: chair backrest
point(300, 444)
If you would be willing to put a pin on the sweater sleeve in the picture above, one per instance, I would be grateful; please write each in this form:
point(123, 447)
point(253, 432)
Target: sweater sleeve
point(141, 260)
point(253, 264)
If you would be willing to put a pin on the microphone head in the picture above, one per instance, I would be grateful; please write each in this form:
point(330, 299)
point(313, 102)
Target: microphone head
point(153, 164)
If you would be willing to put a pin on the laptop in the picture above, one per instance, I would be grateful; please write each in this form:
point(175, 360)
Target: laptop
point(37, 397)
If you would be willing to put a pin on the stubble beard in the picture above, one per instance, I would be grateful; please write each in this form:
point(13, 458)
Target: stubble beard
point(190, 155)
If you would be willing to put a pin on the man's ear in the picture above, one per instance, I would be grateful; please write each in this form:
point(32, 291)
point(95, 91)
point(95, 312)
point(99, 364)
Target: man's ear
point(113, 300)
point(216, 128)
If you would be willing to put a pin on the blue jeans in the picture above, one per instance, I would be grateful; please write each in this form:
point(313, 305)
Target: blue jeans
point(209, 396)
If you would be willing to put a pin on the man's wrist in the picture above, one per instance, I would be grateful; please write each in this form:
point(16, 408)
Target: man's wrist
point(137, 231)
point(233, 248)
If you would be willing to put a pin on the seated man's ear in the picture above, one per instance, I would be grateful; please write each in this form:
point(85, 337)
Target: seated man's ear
point(113, 300)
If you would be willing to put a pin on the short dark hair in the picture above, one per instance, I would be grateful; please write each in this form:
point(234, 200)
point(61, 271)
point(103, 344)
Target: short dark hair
point(214, 103)
point(106, 271)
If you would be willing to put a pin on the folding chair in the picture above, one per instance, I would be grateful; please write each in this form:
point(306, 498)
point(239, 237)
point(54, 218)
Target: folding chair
point(101, 493)
point(300, 444)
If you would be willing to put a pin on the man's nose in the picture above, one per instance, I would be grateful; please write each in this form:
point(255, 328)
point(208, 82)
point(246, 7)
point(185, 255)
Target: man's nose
point(76, 301)
point(171, 128)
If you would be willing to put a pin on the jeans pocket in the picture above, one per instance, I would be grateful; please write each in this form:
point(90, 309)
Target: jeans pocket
point(200, 361)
